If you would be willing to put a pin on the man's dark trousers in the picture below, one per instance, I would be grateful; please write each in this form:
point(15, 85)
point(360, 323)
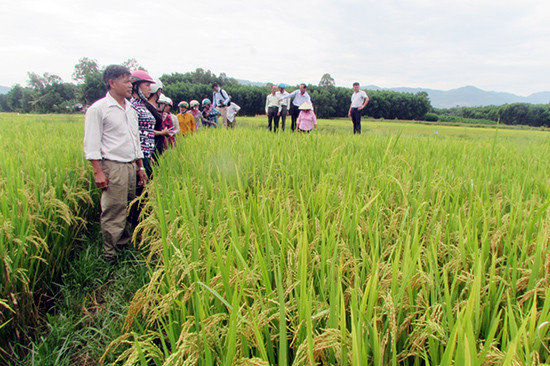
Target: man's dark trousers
point(272, 117)
point(294, 112)
point(283, 116)
point(356, 119)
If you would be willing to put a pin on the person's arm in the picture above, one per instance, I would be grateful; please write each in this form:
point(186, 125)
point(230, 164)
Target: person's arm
point(299, 120)
point(101, 180)
point(93, 130)
point(176, 122)
point(314, 121)
point(349, 112)
point(290, 95)
point(225, 99)
point(266, 103)
point(364, 103)
point(141, 173)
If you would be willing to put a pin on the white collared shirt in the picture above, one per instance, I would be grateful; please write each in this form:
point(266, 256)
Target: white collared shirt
point(111, 131)
point(299, 98)
point(357, 99)
point(283, 102)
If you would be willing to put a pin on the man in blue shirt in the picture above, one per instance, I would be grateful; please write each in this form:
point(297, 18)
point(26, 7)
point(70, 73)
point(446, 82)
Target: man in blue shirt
point(220, 101)
point(300, 96)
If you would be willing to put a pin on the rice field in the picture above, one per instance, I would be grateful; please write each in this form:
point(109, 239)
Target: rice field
point(408, 245)
point(45, 198)
point(393, 247)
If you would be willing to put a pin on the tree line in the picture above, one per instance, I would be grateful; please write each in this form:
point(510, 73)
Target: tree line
point(534, 115)
point(48, 93)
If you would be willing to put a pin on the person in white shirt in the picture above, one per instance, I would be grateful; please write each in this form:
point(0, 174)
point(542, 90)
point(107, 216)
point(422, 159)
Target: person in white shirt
point(232, 111)
point(300, 96)
point(111, 144)
point(220, 101)
point(272, 105)
point(283, 105)
point(359, 100)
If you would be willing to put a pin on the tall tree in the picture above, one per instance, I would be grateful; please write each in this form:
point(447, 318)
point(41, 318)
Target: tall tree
point(84, 67)
point(133, 65)
point(327, 81)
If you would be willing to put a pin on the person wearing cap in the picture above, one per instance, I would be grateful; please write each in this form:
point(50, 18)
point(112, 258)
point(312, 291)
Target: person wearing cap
point(300, 96)
point(196, 113)
point(209, 114)
point(359, 100)
point(186, 119)
point(283, 105)
point(272, 107)
point(165, 105)
point(232, 111)
point(112, 145)
point(220, 101)
point(306, 119)
point(141, 91)
point(155, 109)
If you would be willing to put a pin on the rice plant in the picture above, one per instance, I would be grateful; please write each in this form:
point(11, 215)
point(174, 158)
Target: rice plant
point(385, 248)
point(45, 198)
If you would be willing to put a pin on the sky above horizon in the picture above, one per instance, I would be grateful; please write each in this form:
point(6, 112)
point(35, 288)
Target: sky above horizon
point(498, 45)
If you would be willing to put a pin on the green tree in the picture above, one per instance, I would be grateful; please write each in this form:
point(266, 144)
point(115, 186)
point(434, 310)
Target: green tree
point(327, 81)
point(84, 67)
point(132, 64)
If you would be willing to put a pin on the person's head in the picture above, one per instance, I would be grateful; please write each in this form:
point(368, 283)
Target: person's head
point(141, 83)
point(303, 88)
point(165, 103)
point(282, 87)
point(156, 90)
point(273, 89)
point(117, 80)
point(306, 107)
point(206, 103)
point(356, 86)
point(194, 104)
point(215, 87)
point(183, 105)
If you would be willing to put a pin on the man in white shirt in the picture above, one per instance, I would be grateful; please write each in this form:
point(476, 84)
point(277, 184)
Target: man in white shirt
point(283, 105)
point(111, 144)
point(272, 105)
point(359, 100)
point(300, 96)
point(220, 100)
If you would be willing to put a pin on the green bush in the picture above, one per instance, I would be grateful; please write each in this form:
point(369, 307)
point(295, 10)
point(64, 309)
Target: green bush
point(431, 117)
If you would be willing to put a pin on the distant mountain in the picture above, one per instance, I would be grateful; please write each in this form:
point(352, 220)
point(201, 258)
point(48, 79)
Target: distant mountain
point(248, 82)
point(470, 96)
point(4, 89)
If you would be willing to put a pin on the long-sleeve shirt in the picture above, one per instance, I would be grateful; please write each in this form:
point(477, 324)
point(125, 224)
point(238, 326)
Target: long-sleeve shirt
point(187, 123)
point(220, 98)
point(299, 98)
point(111, 131)
point(272, 101)
point(282, 102)
point(306, 120)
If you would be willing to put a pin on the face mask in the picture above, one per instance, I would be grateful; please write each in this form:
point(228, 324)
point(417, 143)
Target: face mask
point(141, 95)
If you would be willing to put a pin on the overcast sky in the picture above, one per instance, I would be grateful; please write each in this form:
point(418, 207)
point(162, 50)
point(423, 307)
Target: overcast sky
point(492, 44)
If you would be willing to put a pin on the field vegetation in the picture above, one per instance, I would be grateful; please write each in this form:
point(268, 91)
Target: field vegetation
point(411, 244)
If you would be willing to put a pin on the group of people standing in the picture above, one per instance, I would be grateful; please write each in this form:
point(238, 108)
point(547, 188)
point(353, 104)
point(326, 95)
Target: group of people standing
point(301, 109)
point(126, 131)
point(124, 134)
